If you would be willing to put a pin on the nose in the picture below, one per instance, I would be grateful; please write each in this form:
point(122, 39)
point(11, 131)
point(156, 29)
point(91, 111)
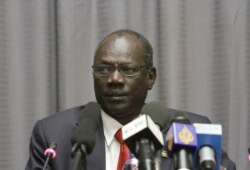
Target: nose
point(116, 77)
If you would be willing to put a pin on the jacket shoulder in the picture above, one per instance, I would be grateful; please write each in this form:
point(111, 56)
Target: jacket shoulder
point(65, 115)
point(193, 117)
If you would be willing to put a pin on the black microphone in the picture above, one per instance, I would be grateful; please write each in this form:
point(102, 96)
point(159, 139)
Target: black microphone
point(158, 112)
point(181, 143)
point(83, 139)
point(50, 153)
point(161, 116)
point(143, 137)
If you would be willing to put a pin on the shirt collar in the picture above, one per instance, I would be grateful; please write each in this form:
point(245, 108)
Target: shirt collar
point(110, 127)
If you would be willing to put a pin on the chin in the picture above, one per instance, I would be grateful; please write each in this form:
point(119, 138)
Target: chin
point(116, 108)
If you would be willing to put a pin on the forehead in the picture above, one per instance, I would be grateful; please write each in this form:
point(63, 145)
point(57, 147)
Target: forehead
point(124, 48)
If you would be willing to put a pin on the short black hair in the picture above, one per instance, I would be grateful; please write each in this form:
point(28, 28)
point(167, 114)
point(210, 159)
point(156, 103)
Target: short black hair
point(148, 50)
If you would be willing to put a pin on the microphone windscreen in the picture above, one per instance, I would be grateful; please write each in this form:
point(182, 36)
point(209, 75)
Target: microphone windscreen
point(91, 110)
point(85, 132)
point(181, 119)
point(158, 112)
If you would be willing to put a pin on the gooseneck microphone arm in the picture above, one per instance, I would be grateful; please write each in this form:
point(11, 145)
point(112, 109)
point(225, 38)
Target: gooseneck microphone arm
point(50, 153)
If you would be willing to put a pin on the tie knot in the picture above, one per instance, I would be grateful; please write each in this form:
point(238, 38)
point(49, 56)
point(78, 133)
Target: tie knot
point(118, 136)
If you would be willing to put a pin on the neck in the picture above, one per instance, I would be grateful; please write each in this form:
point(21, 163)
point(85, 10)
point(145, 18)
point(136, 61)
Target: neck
point(128, 118)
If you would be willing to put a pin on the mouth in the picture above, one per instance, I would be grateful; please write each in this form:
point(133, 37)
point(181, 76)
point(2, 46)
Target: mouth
point(115, 96)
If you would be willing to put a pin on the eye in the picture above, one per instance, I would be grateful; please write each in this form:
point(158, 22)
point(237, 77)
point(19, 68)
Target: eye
point(129, 69)
point(103, 69)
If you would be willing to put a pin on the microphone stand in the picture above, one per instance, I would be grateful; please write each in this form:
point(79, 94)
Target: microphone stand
point(145, 152)
point(157, 160)
point(183, 160)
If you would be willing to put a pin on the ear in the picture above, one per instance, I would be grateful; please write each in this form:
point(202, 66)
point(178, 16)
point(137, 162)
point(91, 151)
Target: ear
point(151, 77)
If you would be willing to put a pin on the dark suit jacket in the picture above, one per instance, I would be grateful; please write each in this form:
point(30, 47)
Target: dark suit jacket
point(59, 128)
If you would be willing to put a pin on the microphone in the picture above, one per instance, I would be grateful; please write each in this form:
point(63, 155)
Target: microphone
point(181, 143)
point(161, 116)
point(50, 153)
point(208, 154)
point(83, 139)
point(249, 153)
point(158, 112)
point(143, 138)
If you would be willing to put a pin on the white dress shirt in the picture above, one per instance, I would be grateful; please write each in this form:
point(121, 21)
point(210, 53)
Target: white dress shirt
point(112, 146)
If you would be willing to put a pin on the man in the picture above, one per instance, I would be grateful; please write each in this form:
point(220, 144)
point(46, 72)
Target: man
point(123, 73)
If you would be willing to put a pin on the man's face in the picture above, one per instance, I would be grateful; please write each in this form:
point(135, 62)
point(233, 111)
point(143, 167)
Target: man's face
point(121, 96)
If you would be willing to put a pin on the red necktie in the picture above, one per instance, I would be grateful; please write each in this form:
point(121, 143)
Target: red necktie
point(124, 151)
